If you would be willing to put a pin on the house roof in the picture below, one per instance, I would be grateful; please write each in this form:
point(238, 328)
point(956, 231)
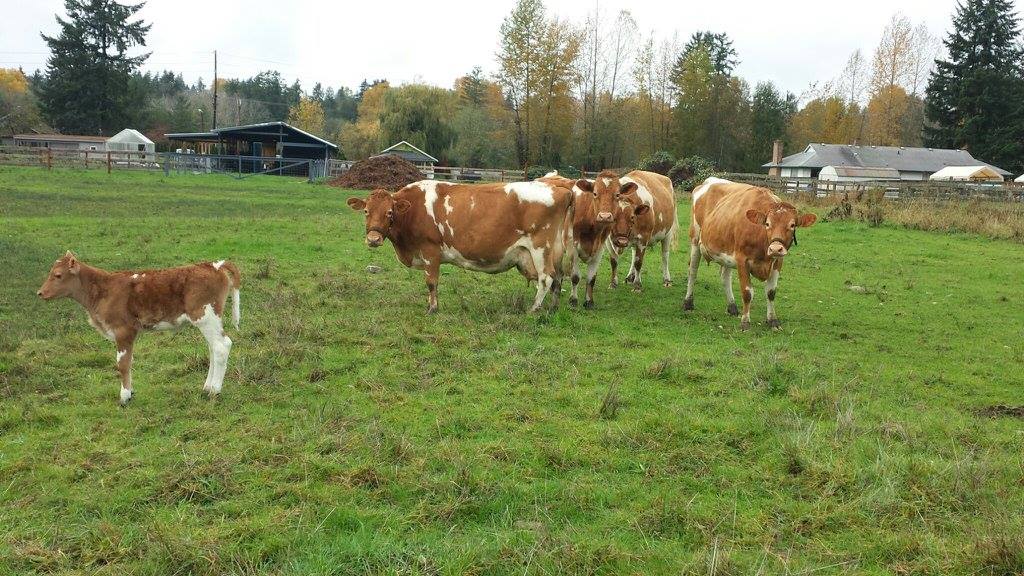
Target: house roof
point(967, 173)
point(903, 159)
point(60, 138)
point(408, 151)
point(261, 131)
point(130, 135)
point(866, 172)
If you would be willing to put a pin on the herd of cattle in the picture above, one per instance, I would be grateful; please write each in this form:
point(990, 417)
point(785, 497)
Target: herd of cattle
point(542, 228)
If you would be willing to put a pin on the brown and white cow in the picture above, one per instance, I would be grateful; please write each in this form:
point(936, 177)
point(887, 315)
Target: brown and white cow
point(745, 228)
point(483, 227)
point(600, 208)
point(659, 224)
point(120, 305)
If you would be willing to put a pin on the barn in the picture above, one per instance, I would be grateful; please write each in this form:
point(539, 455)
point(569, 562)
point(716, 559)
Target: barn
point(425, 162)
point(858, 174)
point(267, 139)
point(61, 142)
point(910, 163)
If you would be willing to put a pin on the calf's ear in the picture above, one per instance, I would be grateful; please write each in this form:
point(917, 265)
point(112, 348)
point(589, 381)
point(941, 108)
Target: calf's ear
point(806, 220)
point(756, 217)
point(356, 203)
point(402, 206)
point(641, 209)
point(73, 265)
point(585, 185)
point(627, 188)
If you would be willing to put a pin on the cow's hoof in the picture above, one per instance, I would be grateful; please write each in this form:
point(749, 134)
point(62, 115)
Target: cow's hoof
point(124, 403)
point(588, 305)
point(688, 305)
point(667, 283)
point(613, 284)
point(745, 325)
point(733, 310)
point(573, 302)
point(638, 288)
point(774, 324)
point(631, 278)
point(431, 309)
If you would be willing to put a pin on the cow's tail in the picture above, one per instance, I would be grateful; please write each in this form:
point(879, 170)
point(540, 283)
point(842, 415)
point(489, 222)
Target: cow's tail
point(235, 278)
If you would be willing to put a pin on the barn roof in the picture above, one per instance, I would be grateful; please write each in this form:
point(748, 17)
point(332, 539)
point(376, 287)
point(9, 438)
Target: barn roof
point(269, 131)
point(60, 138)
point(866, 172)
point(903, 159)
point(129, 135)
point(967, 173)
point(408, 151)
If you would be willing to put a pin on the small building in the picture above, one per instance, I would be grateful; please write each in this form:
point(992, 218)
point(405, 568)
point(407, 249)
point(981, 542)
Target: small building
point(911, 163)
point(858, 174)
point(129, 140)
point(967, 174)
point(268, 139)
point(425, 162)
point(61, 142)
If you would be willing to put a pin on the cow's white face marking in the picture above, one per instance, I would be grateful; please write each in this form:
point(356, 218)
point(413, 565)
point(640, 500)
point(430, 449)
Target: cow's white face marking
point(607, 181)
point(120, 354)
point(538, 192)
point(218, 264)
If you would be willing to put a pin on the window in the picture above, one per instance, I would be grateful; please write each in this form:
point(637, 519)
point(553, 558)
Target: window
point(142, 147)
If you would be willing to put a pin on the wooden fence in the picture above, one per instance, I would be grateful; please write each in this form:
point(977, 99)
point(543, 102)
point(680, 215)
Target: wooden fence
point(899, 189)
point(336, 168)
point(90, 159)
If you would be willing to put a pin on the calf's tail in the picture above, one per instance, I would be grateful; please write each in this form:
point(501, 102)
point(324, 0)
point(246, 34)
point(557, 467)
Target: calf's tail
point(235, 277)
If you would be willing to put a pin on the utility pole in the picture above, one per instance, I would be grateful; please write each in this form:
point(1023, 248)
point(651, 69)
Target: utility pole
point(214, 89)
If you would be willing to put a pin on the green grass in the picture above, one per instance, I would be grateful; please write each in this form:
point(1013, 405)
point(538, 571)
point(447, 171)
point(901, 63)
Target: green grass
point(357, 435)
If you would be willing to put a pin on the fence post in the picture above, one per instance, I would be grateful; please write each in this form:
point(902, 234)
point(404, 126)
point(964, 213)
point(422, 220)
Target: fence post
point(108, 162)
point(86, 159)
point(49, 159)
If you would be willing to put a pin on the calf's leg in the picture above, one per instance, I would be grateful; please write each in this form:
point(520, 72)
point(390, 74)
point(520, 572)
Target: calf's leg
point(635, 277)
point(730, 299)
point(212, 327)
point(125, 344)
point(691, 276)
point(613, 259)
point(666, 274)
point(433, 272)
point(748, 292)
point(769, 288)
point(573, 297)
point(592, 266)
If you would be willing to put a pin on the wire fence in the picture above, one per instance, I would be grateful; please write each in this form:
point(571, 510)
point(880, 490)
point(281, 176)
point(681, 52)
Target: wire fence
point(892, 189)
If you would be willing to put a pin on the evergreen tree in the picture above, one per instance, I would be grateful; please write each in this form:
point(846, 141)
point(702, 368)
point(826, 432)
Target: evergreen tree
point(974, 96)
point(770, 114)
point(88, 71)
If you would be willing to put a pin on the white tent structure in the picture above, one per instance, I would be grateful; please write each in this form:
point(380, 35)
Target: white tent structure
point(967, 174)
point(129, 140)
point(858, 174)
point(1021, 179)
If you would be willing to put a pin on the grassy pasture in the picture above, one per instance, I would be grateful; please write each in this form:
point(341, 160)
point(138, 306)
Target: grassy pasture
point(356, 435)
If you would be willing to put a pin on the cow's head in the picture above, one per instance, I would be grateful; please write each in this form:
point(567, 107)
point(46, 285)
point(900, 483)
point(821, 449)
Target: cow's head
point(63, 279)
point(628, 208)
point(780, 224)
point(380, 208)
point(606, 189)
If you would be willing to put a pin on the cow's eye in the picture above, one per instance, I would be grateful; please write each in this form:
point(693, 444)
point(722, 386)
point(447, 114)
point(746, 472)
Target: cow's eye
point(367, 212)
point(57, 276)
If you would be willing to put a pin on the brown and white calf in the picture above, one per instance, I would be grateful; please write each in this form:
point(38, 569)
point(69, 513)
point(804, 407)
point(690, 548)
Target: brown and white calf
point(745, 228)
point(599, 208)
point(483, 227)
point(120, 305)
point(659, 224)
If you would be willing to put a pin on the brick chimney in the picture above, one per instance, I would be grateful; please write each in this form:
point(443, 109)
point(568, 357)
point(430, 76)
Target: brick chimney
point(776, 158)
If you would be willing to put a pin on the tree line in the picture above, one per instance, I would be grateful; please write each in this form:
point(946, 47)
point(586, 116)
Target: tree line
point(570, 95)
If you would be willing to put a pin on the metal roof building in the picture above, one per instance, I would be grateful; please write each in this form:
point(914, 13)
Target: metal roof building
point(409, 152)
point(911, 163)
point(267, 139)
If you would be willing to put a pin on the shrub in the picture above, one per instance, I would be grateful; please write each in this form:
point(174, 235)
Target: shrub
point(688, 173)
point(534, 172)
point(660, 162)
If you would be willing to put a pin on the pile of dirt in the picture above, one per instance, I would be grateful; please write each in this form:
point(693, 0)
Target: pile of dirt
point(389, 172)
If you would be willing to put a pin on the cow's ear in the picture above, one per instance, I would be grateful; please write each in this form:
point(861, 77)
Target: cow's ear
point(806, 220)
point(402, 206)
point(627, 188)
point(585, 185)
point(641, 209)
point(356, 203)
point(73, 265)
point(756, 217)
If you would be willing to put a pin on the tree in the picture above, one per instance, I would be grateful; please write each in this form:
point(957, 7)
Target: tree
point(419, 114)
point(770, 114)
point(517, 60)
point(307, 115)
point(719, 48)
point(88, 70)
point(884, 114)
point(974, 98)
point(19, 110)
point(829, 120)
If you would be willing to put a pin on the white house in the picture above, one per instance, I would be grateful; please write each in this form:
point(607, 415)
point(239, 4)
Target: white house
point(967, 174)
point(911, 163)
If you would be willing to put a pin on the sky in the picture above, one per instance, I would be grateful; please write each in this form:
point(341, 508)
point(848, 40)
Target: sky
point(339, 43)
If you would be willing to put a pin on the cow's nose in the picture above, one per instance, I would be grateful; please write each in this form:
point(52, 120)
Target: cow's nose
point(604, 216)
point(374, 239)
point(39, 293)
point(777, 250)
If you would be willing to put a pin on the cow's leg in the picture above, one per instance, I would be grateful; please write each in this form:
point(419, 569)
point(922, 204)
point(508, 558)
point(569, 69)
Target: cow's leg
point(613, 259)
point(666, 274)
point(691, 277)
point(125, 344)
point(432, 272)
point(730, 299)
point(212, 327)
point(573, 297)
point(592, 266)
point(748, 292)
point(631, 275)
point(769, 288)
point(635, 277)
point(541, 261)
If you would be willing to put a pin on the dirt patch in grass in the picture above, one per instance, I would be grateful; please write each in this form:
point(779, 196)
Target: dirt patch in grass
point(1002, 411)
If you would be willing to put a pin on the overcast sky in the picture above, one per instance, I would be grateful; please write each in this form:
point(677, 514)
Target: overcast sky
point(791, 43)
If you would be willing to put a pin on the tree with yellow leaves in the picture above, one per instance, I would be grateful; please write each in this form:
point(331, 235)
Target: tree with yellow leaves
point(307, 115)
